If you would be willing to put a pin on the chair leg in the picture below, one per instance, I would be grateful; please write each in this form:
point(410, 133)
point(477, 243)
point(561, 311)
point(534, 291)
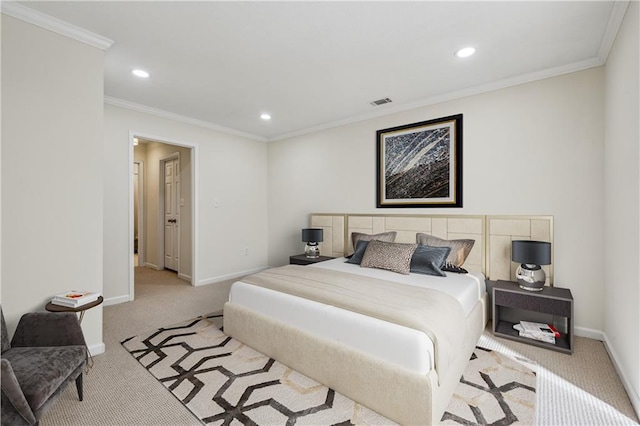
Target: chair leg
point(79, 386)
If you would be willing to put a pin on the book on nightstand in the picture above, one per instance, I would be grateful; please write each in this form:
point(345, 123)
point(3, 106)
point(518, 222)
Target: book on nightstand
point(539, 328)
point(74, 298)
point(537, 331)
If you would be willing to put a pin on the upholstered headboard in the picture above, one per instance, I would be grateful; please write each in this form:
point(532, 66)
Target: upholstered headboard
point(491, 253)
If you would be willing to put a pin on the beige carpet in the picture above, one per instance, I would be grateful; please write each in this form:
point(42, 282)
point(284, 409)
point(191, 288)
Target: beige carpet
point(119, 392)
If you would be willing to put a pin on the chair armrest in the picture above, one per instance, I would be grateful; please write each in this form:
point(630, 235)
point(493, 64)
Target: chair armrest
point(48, 329)
point(13, 392)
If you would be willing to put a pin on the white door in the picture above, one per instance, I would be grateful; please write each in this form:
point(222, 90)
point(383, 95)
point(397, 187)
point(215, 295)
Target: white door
point(136, 207)
point(172, 214)
point(138, 211)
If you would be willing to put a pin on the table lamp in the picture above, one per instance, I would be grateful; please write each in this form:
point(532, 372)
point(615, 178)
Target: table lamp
point(530, 255)
point(312, 236)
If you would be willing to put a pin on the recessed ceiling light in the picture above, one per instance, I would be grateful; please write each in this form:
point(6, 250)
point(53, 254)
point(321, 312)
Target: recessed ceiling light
point(265, 116)
point(465, 52)
point(141, 73)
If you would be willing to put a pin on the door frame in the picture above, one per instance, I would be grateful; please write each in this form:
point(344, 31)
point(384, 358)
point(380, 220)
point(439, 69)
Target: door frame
point(194, 204)
point(161, 195)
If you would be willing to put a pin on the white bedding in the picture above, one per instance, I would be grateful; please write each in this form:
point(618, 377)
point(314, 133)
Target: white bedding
point(403, 346)
point(467, 288)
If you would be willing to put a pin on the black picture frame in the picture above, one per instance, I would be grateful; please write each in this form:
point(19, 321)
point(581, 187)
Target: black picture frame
point(420, 164)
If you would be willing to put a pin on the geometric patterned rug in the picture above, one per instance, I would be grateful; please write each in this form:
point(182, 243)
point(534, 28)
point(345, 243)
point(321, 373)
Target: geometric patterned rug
point(494, 389)
point(224, 382)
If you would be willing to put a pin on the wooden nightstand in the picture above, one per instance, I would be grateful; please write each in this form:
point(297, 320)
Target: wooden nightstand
point(552, 305)
point(301, 259)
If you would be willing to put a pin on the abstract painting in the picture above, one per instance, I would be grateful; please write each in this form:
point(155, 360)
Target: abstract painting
point(420, 164)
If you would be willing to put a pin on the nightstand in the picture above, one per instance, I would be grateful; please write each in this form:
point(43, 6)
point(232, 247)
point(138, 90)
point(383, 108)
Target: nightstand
point(552, 305)
point(301, 259)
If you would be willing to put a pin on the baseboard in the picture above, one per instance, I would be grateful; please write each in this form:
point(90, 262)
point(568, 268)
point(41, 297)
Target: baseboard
point(96, 349)
point(220, 278)
point(116, 300)
point(151, 265)
point(589, 333)
point(125, 298)
point(631, 392)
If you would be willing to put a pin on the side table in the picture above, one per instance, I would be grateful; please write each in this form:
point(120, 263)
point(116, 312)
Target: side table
point(301, 259)
point(81, 309)
point(552, 305)
point(57, 308)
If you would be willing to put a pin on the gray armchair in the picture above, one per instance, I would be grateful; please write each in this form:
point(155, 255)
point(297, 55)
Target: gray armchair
point(46, 353)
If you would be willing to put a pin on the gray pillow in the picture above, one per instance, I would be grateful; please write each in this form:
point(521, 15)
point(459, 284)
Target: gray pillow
point(356, 257)
point(429, 260)
point(460, 249)
point(390, 256)
point(384, 236)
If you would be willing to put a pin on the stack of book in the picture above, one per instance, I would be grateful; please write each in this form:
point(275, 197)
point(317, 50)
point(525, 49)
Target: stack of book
point(75, 299)
point(537, 331)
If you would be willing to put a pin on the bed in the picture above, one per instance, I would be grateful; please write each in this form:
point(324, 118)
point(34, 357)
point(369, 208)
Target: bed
point(395, 343)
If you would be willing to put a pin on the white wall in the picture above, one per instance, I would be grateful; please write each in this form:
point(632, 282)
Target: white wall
point(622, 203)
point(231, 169)
point(52, 141)
point(531, 149)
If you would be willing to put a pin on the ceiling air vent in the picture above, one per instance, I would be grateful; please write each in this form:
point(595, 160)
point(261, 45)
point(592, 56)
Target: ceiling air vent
point(381, 102)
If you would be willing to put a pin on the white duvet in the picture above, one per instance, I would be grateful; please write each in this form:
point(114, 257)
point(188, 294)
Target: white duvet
point(390, 342)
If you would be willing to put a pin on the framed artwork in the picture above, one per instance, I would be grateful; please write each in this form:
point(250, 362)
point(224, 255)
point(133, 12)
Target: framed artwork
point(420, 164)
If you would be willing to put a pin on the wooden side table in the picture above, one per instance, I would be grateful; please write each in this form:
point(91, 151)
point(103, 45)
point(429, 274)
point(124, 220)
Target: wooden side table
point(301, 259)
point(80, 309)
point(552, 305)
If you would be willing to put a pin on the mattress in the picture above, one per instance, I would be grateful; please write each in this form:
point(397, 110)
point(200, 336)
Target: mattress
point(402, 346)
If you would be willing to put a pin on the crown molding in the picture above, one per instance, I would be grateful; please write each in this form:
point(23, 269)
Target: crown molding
point(50, 23)
point(386, 110)
point(613, 26)
point(484, 88)
point(180, 118)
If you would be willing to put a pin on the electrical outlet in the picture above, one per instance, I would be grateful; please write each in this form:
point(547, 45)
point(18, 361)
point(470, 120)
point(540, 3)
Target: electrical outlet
point(246, 251)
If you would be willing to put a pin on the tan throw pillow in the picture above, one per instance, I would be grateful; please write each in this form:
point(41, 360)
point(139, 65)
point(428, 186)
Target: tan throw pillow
point(384, 236)
point(390, 256)
point(460, 249)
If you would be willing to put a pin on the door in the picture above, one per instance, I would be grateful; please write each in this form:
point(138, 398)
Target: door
point(138, 212)
point(136, 208)
point(172, 214)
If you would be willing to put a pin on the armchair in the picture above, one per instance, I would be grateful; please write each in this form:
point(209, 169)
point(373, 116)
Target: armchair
point(46, 353)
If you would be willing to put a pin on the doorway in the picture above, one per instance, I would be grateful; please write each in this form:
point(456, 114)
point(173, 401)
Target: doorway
point(166, 207)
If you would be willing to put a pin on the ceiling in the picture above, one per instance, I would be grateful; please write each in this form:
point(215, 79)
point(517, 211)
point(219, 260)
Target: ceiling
point(315, 65)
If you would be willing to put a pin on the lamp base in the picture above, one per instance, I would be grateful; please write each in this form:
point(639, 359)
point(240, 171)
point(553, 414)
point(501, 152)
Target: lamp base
point(312, 250)
point(531, 277)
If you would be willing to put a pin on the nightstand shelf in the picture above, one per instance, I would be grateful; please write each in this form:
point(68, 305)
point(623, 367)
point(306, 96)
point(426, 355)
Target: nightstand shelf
point(505, 329)
point(301, 259)
point(553, 305)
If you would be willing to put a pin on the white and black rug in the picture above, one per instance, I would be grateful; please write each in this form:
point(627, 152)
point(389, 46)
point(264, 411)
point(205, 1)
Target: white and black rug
point(223, 382)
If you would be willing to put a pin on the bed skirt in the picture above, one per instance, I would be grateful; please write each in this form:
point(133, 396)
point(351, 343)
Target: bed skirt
point(401, 395)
